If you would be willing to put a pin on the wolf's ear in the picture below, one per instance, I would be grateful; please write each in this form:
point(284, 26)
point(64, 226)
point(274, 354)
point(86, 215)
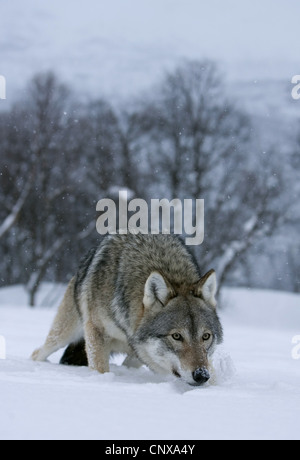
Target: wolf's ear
point(207, 288)
point(156, 289)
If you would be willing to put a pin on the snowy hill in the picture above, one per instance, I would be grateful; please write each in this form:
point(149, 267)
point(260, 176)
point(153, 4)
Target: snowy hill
point(256, 394)
point(121, 48)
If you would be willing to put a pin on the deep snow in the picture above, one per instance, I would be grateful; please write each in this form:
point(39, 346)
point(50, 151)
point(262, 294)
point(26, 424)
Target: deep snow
point(256, 394)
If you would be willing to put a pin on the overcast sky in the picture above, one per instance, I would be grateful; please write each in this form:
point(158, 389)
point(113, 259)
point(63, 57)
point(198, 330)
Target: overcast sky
point(120, 46)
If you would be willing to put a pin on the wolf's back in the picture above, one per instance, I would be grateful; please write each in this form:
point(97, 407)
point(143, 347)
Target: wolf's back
point(124, 262)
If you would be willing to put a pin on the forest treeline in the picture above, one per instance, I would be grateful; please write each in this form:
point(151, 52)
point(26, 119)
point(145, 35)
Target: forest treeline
point(185, 138)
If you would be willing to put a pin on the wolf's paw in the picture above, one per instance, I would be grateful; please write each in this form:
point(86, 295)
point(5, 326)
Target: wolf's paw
point(37, 355)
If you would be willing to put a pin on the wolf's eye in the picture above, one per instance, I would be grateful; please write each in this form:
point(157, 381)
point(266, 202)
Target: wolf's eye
point(177, 336)
point(206, 336)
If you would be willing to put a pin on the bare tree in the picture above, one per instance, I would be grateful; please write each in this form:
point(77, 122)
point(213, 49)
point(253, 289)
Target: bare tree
point(14, 185)
point(46, 124)
point(204, 150)
point(99, 160)
point(11, 219)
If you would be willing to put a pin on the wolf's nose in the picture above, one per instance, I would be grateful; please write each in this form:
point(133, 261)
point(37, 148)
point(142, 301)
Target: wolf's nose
point(201, 375)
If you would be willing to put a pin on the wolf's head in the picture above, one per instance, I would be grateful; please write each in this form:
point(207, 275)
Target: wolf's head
point(180, 327)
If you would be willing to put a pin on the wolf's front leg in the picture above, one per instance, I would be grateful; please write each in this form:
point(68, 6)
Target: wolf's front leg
point(97, 347)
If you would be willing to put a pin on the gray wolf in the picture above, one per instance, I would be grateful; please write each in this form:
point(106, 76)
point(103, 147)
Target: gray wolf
point(142, 295)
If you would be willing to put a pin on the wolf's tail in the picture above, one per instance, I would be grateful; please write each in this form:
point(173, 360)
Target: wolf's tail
point(75, 355)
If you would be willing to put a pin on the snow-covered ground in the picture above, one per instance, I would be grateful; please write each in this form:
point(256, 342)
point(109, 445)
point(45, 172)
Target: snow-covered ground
point(256, 394)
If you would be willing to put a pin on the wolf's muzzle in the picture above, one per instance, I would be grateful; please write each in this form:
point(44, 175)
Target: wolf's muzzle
point(201, 375)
